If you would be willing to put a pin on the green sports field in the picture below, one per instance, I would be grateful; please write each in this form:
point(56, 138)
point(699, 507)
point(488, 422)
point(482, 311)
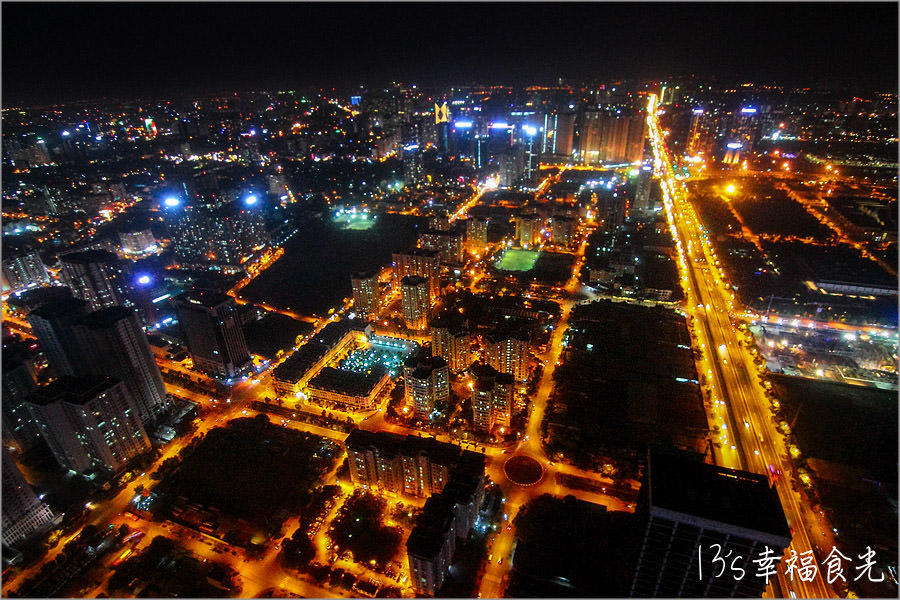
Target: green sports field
point(518, 260)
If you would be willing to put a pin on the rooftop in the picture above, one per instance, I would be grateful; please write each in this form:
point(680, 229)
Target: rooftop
point(206, 298)
point(732, 497)
point(90, 256)
point(107, 316)
point(427, 537)
point(348, 382)
point(298, 363)
point(74, 390)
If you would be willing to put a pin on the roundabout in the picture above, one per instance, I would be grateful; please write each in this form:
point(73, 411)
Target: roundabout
point(523, 470)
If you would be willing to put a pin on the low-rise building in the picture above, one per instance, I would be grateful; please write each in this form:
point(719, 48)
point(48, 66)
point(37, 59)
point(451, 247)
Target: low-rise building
point(356, 391)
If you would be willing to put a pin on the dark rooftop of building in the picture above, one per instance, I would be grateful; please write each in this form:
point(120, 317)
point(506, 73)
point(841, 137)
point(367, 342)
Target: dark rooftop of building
point(90, 256)
point(207, 298)
point(298, 363)
point(350, 383)
point(427, 537)
point(37, 296)
point(424, 368)
point(332, 333)
point(105, 317)
point(715, 493)
point(59, 308)
point(418, 252)
point(74, 390)
point(413, 280)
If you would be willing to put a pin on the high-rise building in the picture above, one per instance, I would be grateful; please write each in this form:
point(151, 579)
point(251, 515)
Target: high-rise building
point(24, 269)
point(528, 229)
point(607, 136)
point(53, 325)
point(511, 165)
point(422, 262)
point(445, 518)
point(19, 428)
point(449, 245)
point(450, 340)
point(415, 301)
point(558, 134)
point(642, 199)
point(89, 423)
point(476, 234)
point(507, 352)
point(114, 344)
point(431, 545)
point(562, 229)
point(97, 277)
point(492, 394)
point(427, 385)
point(212, 333)
point(612, 210)
point(451, 478)
point(365, 293)
point(685, 507)
point(23, 513)
point(409, 465)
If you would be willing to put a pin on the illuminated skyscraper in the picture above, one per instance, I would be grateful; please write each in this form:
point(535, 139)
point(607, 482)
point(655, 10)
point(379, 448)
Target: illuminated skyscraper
point(90, 424)
point(558, 134)
point(212, 333)
point(23, 513)
point(528, 229)
point(449, 244)
point(609, 136)
point(97, 277)
point(562, 229)
point(365, 293)
point(414, 299)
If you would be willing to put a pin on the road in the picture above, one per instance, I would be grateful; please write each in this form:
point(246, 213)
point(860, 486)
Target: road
point(747, 419)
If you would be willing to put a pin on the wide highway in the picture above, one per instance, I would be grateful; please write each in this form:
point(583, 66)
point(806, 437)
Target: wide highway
point(748, 436)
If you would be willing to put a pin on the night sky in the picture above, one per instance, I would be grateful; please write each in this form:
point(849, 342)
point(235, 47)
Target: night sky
point(61, 52)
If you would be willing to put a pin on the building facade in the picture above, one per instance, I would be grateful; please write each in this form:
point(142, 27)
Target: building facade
point(53, 324)
point(492, 394)
point(365, 293)
point(508, 352)
point(421, 262)
point(23, 270)
point(97, 277)
point(23, 513)
point(685, 507)
point(428, 385)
